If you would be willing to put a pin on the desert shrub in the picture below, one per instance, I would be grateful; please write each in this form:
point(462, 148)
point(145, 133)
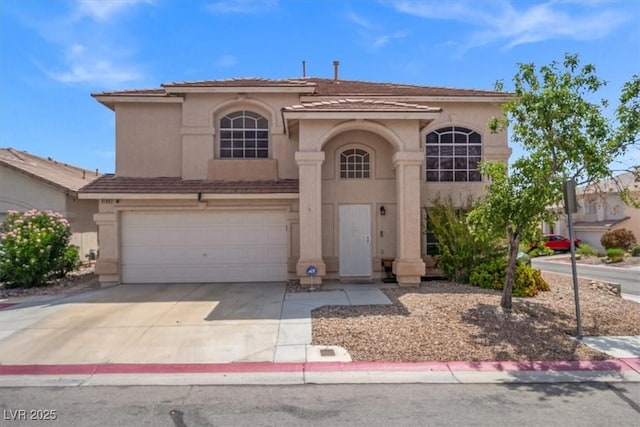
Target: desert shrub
point(620, 238)
point(635, 251)
point(461, 247)
point(540, 250)
point(491, 275)
point(615, 254)
point(586, 250)
point(69, 262)
point(33, 247)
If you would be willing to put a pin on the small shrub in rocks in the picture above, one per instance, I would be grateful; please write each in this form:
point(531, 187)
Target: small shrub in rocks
point(491, 275)
point(34, 246)
point(615, 255)
point(620, 238)
point(586, 250)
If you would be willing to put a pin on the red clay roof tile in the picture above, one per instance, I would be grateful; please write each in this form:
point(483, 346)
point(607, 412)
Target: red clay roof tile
point(174, 185)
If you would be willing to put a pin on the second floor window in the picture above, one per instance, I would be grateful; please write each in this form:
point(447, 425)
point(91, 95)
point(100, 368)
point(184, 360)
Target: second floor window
point(354, 163)
point(244, 135)
point(453, 154)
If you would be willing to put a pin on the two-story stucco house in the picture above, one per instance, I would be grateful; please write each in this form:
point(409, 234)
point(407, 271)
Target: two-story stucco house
point(258, 180)
point(602, 209)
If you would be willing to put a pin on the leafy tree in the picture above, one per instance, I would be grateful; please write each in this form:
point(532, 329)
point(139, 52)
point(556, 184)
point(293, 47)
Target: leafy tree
point(566, 136)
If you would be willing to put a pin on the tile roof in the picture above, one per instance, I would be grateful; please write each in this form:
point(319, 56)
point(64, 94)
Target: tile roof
point(359, 104)
point(52, 172)
point(174, 185)
point(323, 87)
point(605, 223)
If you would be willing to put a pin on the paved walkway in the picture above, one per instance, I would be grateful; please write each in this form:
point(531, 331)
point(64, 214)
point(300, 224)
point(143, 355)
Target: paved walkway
point(279, 351)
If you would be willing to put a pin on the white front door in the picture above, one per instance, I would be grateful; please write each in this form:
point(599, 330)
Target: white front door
point(355, 240)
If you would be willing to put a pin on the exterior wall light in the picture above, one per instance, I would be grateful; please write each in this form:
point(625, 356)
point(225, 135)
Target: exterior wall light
point(383, 211)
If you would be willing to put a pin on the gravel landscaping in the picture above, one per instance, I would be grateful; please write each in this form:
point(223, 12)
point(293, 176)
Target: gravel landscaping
point(443, 321)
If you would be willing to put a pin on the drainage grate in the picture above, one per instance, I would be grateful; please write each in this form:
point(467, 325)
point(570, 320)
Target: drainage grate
point(327, 352)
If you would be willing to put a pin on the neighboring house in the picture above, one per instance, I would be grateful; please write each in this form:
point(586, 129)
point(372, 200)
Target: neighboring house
point(259, 180)
point(33, 182)
point(601, 209)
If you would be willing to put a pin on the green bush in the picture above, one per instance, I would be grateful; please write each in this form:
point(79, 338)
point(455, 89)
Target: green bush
point(615, 254)
point(491, 275)
point(635, 251)
point(34, 246)
point(540, 250)
point(586, 250)
point(620, 239)
point(461, 247)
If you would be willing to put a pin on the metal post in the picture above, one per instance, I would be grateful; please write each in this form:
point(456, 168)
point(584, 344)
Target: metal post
point(570, 208)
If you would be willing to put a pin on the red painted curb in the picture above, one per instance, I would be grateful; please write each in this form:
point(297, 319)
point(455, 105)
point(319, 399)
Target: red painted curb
point(540, 366)
point(376, 366)
point(268, 367)
point(633, 363)
point(7, 304)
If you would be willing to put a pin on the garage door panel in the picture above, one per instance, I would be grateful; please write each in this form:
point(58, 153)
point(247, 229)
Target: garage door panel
point(203, 247)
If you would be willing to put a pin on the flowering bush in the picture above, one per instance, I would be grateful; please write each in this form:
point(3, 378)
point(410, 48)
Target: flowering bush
point(35, 246)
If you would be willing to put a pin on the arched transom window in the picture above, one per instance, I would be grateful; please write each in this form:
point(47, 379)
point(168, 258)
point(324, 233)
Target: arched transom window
point(355, 163)
point(453, 154)
point(244, 135)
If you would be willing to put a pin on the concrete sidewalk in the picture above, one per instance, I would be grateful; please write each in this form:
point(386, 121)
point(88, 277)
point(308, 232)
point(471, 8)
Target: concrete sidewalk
point(198, 334)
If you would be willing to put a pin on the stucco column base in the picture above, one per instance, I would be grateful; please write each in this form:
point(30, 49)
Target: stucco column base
point(307, 281)
point(409, 272)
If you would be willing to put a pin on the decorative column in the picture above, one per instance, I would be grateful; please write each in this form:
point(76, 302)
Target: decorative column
point(310, 171)
point(408, 265)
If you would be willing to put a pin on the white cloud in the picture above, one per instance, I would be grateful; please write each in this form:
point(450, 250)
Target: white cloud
point(102, 10)
point(373, 34)
point(84, 66)
point(95, 47)
point(242, 6)
point(227, 61)
point(385, 39)
point(359, 21)
point(502, 22)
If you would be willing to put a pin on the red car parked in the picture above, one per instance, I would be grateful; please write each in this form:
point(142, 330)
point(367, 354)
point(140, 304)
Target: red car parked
point(559, 243)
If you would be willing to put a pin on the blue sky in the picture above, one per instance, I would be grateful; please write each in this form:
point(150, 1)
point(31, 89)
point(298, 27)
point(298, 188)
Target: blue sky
point(54, 54)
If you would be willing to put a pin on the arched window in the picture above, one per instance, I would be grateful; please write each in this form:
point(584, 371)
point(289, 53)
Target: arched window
point(354, 163)
point(244, 135)
point(453, 154)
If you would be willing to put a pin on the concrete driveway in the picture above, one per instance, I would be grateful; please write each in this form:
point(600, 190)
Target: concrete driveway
point(178, 323)
point(174, 324)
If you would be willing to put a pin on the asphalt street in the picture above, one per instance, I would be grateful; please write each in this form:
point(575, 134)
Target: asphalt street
point(559, 404)
point(627, 278)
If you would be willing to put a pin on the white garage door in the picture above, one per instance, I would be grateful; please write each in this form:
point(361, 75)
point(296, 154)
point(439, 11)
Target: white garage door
point(184, 247)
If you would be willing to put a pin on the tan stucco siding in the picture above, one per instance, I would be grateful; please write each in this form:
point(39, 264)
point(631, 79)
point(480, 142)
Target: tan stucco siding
point(148, 140)
point(201, 114)
point(21, 193)
point(378, 190)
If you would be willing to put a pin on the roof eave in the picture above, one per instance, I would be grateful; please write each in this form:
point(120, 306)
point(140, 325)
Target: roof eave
point(320, 114)
point(419, 98)
point(59, 187)
point(202, 196)
point(111, 100)
point(242, 89)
